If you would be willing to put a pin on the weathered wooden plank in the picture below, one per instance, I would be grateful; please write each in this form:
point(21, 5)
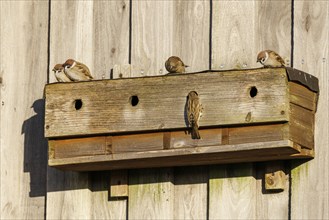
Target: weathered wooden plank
point(111, 36)
point(69, 27)
point(232, 36)
point(97, 34)
point(190, 34)
point(301, 125)
point(309, 186)
point(79, 147)
point(273, 31)
point(152, 41)
point(23, 74)
point(225, 97)
point(300, 95)
point(183, 156)
point(178, 28)
point(232, 192)
point(137, 142)
point(182, 139)
point(151, 194)
point(261, 133)
point(191, 186)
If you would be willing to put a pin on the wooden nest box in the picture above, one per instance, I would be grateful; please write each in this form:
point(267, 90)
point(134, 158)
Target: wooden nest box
point(249, 115)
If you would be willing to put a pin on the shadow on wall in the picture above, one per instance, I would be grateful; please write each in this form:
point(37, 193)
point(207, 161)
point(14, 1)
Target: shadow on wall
point(35, 150)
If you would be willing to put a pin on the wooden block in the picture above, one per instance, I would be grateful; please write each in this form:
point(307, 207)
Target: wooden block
point(146, 103)
point(119, 183)
point(275, 177)
point(275, 181)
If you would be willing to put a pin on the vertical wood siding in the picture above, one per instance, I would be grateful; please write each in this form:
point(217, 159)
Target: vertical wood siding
point(205, 34)
point(310, 180)
point(23, 69)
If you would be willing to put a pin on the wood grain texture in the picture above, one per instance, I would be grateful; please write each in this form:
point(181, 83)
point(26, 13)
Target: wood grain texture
point(302, 126)
point(225, 97)
point(243, 28)
point(310, 181)
point(97, 34)
point(178, 28)
point(153, 190)
point(191, 187)
point(23, 72)
point(300, 95)
point(232, 192)
point(111, 35)
point(69, 39)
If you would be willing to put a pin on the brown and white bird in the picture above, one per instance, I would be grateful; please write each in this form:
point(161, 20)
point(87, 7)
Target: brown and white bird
point(175, 65)
point(77, 71)
point(59, 73)
point(194, 111)
point(270, 58)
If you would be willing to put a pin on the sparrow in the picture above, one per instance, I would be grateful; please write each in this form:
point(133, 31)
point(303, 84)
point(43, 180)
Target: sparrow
point(194, 111)
point(270, 58)
point(175, 65)
point(77, 71)
point(59, 73)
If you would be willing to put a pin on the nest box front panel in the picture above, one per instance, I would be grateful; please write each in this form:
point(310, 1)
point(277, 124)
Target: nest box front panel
point(158, 103)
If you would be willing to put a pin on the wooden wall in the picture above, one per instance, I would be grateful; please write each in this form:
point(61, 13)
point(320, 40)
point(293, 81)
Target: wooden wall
point(35, 35)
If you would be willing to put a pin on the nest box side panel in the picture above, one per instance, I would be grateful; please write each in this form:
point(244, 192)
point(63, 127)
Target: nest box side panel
point(157, 103)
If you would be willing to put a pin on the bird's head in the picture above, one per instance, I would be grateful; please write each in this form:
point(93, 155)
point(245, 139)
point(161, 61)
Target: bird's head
point(68, 63)
point(58, 68)
point(262, 57)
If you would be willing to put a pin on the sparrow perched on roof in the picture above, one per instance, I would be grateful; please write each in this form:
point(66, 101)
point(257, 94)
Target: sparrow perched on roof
point(175, 65)
point(194, 111)
point(59, 73)
point(270, 58)
point(77, 71)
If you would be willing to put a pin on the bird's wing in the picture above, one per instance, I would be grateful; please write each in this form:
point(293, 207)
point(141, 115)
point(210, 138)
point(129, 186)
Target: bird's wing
point(84, 69)
point(278, 57)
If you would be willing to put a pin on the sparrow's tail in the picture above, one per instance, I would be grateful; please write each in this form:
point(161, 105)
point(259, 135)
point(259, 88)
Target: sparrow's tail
point(195, 132)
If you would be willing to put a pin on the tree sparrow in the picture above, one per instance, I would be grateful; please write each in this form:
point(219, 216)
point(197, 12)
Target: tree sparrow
point(194, 111)
point(59, 73)
point(175, 65)
point(77, 71)
point(270, 58)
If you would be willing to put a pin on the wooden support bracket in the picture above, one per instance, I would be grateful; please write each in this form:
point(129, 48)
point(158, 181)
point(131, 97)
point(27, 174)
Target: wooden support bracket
point(119, 183)
point(275, 177)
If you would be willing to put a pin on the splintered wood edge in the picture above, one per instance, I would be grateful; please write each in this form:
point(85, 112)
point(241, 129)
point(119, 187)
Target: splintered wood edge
point(90, 161)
